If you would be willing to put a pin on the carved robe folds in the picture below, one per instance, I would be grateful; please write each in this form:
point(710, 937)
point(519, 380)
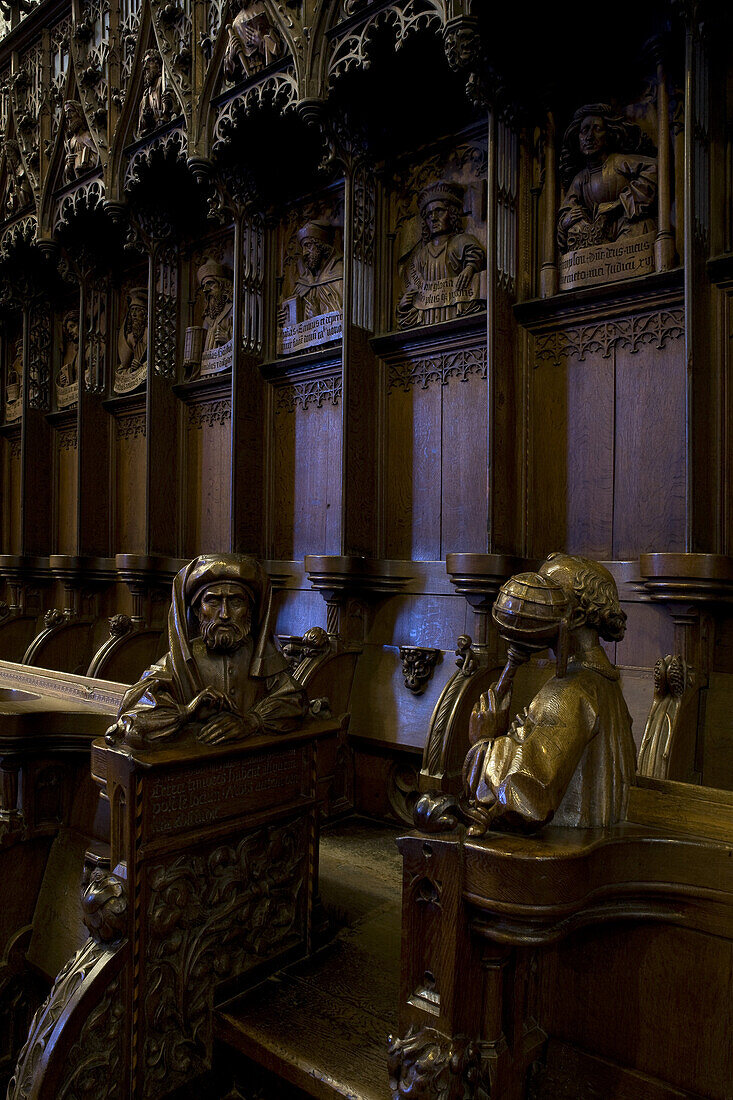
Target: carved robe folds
point(570, 759)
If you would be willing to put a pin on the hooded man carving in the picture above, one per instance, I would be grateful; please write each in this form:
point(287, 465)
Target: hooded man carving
point(224, 677)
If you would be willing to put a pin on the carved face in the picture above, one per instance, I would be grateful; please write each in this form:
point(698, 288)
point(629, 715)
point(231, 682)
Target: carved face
point(137, 320)
point(314, 253)
point(71, 329)
point(73, 117)
point(437, 218)
point(225, 617)
point(218, 292)
point(592, 136)
point(151, 71)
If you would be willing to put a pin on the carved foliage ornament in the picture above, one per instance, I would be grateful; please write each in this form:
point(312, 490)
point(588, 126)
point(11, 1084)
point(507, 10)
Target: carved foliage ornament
point(631, 333)
point(426, 1063)
point(417, 667)
point(352, 49)
point(211, 915)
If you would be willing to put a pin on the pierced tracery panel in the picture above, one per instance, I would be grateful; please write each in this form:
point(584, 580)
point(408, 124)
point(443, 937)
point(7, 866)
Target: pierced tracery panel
point(59, 66)
point(28, 96)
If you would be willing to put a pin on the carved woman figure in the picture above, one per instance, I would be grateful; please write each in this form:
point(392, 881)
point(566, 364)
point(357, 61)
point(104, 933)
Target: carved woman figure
point(609, 173)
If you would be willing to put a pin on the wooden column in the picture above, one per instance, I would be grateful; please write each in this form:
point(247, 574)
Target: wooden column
point(548, 271)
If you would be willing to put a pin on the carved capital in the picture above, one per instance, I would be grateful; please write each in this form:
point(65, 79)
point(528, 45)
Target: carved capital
point(426, 1064)
point(417, 666)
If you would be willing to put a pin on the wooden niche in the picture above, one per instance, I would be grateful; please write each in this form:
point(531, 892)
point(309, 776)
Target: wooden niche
point(306, 378)
point(435, 378)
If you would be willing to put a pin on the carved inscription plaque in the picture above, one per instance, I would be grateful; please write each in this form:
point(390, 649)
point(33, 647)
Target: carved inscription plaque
point(606, 263)
point(213, 792)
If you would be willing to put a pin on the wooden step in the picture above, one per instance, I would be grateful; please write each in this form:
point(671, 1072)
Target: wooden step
point(322, 1024)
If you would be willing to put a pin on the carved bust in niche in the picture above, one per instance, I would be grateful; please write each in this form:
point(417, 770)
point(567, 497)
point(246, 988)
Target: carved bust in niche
point(609, 174)
point(569, 757)
point(316, 291)
point(224, 677)
point(252, 43)
point(440, 273)
point(80, 150)
point(18, 191)
point(157, 104)
point(68, 374)
point(14, 381)
point(132, 341)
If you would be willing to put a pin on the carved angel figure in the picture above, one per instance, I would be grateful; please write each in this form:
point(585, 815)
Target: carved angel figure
point(569, 757)
point(609, 173)
point(224, 677)
point(441, 271)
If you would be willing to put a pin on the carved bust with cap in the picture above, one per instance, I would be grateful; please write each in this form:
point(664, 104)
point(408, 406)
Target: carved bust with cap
point(224, 677)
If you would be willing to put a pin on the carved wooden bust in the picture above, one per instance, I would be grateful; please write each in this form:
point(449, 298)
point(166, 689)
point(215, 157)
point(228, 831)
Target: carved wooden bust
point(569, 757)
point(224, 677)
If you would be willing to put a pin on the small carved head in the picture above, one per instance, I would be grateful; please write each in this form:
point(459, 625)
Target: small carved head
point(593, 592)
point(70, 327)
point(119, 625)
point(152, 68)
point(225, 616)
point(53, 617)
point(74, 116)
point(441, 208)
point(104, 906)
point(216, 282)
point(315, 640)
point(316, 244)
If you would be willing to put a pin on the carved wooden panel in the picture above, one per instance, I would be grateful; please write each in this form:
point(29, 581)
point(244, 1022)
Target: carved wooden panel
point(12, 497)
point(129, 481)
point(438, 229)
point(607, 437)
point(306, 488)
point(65, 464)
point(208, 333)
point(436, 464)
point(208, 470)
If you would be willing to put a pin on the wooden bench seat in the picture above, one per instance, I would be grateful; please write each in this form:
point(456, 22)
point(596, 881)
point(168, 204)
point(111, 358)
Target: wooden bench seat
point(322, 1024)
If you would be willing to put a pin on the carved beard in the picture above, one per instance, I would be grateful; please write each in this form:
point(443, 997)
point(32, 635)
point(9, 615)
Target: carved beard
point(216, 302)
point(317, 259)
point(136, 327)
point(224, 637)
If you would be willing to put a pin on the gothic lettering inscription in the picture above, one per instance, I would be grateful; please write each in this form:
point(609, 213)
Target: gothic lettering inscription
point(606, 263)
point(205, 794)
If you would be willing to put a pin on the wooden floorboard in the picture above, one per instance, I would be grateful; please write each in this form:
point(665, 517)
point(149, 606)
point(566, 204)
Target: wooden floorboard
point(322, 1024)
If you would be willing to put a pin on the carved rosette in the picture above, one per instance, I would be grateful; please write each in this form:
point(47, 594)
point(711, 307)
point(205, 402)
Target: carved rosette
point(426, 1064)
point(209, 915)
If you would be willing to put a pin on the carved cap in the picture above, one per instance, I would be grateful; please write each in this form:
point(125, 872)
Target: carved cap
point(138, 296)
point(441, 191)
point(210, 269)
point(212, 569)
point(320, 231)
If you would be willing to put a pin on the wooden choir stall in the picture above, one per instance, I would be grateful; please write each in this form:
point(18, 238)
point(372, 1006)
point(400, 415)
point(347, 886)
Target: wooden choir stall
point(366, 550)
